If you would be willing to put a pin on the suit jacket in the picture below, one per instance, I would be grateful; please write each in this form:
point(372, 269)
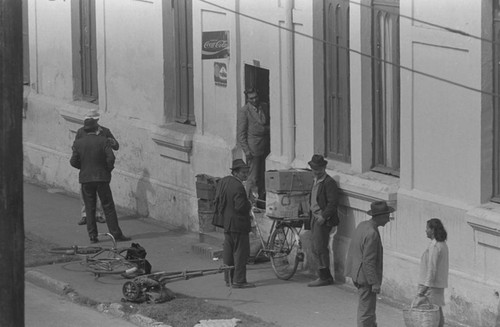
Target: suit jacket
point(327, 199)
point(232, 206)
point(365, 258)
point(101, 131)
point(253, 129)
point(94, 157)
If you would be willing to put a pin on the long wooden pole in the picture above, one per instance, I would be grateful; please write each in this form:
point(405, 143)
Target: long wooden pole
point(11, 165)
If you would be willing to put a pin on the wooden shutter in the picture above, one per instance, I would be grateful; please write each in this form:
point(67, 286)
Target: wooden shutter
point(88, 50)
point(386, 87)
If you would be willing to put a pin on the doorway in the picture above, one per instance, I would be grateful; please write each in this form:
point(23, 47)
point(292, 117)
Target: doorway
point(258, 78)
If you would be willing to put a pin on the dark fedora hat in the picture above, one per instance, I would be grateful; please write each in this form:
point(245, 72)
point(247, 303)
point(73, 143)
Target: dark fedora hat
point(379, 208)
point(317, 161)
point(239, 163)
point(90, 124)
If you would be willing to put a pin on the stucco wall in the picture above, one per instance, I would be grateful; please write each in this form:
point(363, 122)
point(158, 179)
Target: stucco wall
point(131, 59)
point(443, 134)
point(51, 29)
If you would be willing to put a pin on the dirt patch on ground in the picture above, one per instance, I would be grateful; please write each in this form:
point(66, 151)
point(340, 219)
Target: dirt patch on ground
point(185, 311)
point(36, 252)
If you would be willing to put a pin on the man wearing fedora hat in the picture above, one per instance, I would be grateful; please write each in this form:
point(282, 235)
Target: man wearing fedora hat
point(232, 212)
point(93, 116)
point(323, 217)
point(93, 156)
point(365, 261)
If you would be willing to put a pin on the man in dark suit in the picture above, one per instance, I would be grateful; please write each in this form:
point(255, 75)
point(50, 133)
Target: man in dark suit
point(233, 214)
point(365, 262)
point(323, 217)
point(254, 138)
point(104, 132)
point(92, 154)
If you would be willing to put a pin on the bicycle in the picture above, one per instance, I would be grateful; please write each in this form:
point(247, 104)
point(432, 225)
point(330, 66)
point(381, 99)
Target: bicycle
point(102, 261)
point(283, 246)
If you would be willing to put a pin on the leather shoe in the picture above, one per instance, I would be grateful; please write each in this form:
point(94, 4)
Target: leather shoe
point(123, 238)
point(94, 239)
point(100, 219)
point(83, 221)
point(243, 285)
point(320, 282)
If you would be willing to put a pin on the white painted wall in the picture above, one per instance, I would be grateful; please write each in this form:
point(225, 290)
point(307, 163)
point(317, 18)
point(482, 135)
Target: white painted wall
point(131, 59)
point(52, 30)
point(445, 118)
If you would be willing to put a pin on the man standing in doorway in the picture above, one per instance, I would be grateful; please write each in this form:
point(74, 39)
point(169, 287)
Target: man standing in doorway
point(323, 216)
point(365, 261)
point(254, 138)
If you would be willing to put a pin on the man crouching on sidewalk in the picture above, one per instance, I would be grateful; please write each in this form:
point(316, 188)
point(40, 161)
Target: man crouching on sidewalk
point(94, 157)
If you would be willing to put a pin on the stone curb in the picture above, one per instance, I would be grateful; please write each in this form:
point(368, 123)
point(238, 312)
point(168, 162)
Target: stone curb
point(115, 309)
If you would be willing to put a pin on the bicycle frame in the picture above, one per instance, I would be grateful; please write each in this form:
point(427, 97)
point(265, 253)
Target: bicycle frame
point(283, 241)
point(100, 260)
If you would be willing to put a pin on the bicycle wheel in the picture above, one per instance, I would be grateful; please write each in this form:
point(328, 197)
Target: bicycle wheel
point(285, 251)
point(108, 266)
point(71, 250)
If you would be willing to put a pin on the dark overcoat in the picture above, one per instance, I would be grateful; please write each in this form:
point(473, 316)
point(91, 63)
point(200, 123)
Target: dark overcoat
point(327, 199)
point(94, 157)
point(232, 207)
point(101, 131)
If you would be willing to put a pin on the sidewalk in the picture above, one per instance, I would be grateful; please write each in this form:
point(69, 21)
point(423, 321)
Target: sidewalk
point(53, 215)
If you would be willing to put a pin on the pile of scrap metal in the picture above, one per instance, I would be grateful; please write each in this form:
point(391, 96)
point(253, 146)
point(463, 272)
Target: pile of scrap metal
point(151, 288)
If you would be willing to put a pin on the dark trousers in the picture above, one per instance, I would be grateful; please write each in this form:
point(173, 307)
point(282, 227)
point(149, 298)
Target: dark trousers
point(320, 238)
point(90, 191)
point(366, 306)
point(236, 250)
point(256, 176)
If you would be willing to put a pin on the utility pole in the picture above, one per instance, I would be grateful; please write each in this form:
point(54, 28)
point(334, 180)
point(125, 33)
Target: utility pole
point(11, 165)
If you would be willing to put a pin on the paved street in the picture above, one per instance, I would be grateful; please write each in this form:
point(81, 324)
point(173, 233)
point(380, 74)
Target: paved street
point(44, 308)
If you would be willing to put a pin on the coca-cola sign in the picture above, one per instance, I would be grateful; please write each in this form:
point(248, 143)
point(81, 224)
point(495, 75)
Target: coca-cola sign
point(215, 45)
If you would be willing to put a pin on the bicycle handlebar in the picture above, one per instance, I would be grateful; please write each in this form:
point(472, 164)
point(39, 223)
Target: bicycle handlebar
point(110, 236)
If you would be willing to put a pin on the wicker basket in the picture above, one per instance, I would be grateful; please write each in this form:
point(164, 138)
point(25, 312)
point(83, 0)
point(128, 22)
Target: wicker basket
point(426, 315)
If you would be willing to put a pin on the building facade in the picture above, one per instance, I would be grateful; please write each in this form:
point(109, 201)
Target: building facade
point(401, 96)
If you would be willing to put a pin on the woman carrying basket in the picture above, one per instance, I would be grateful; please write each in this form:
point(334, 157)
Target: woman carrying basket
point(434, 267)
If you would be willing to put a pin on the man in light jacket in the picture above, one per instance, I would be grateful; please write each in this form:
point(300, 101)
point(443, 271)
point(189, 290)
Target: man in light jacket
point(365, 261)
point(253, 138)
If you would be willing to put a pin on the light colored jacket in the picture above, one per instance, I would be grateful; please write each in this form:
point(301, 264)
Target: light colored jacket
point(434, 265)
point(253, 129)
point(366, 254)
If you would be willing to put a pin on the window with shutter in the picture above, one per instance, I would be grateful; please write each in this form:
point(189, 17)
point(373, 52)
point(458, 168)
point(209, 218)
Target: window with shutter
point(337, 84)
point(496, 103)
point(184, 45)
point(84, 50)
point(386, 86)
